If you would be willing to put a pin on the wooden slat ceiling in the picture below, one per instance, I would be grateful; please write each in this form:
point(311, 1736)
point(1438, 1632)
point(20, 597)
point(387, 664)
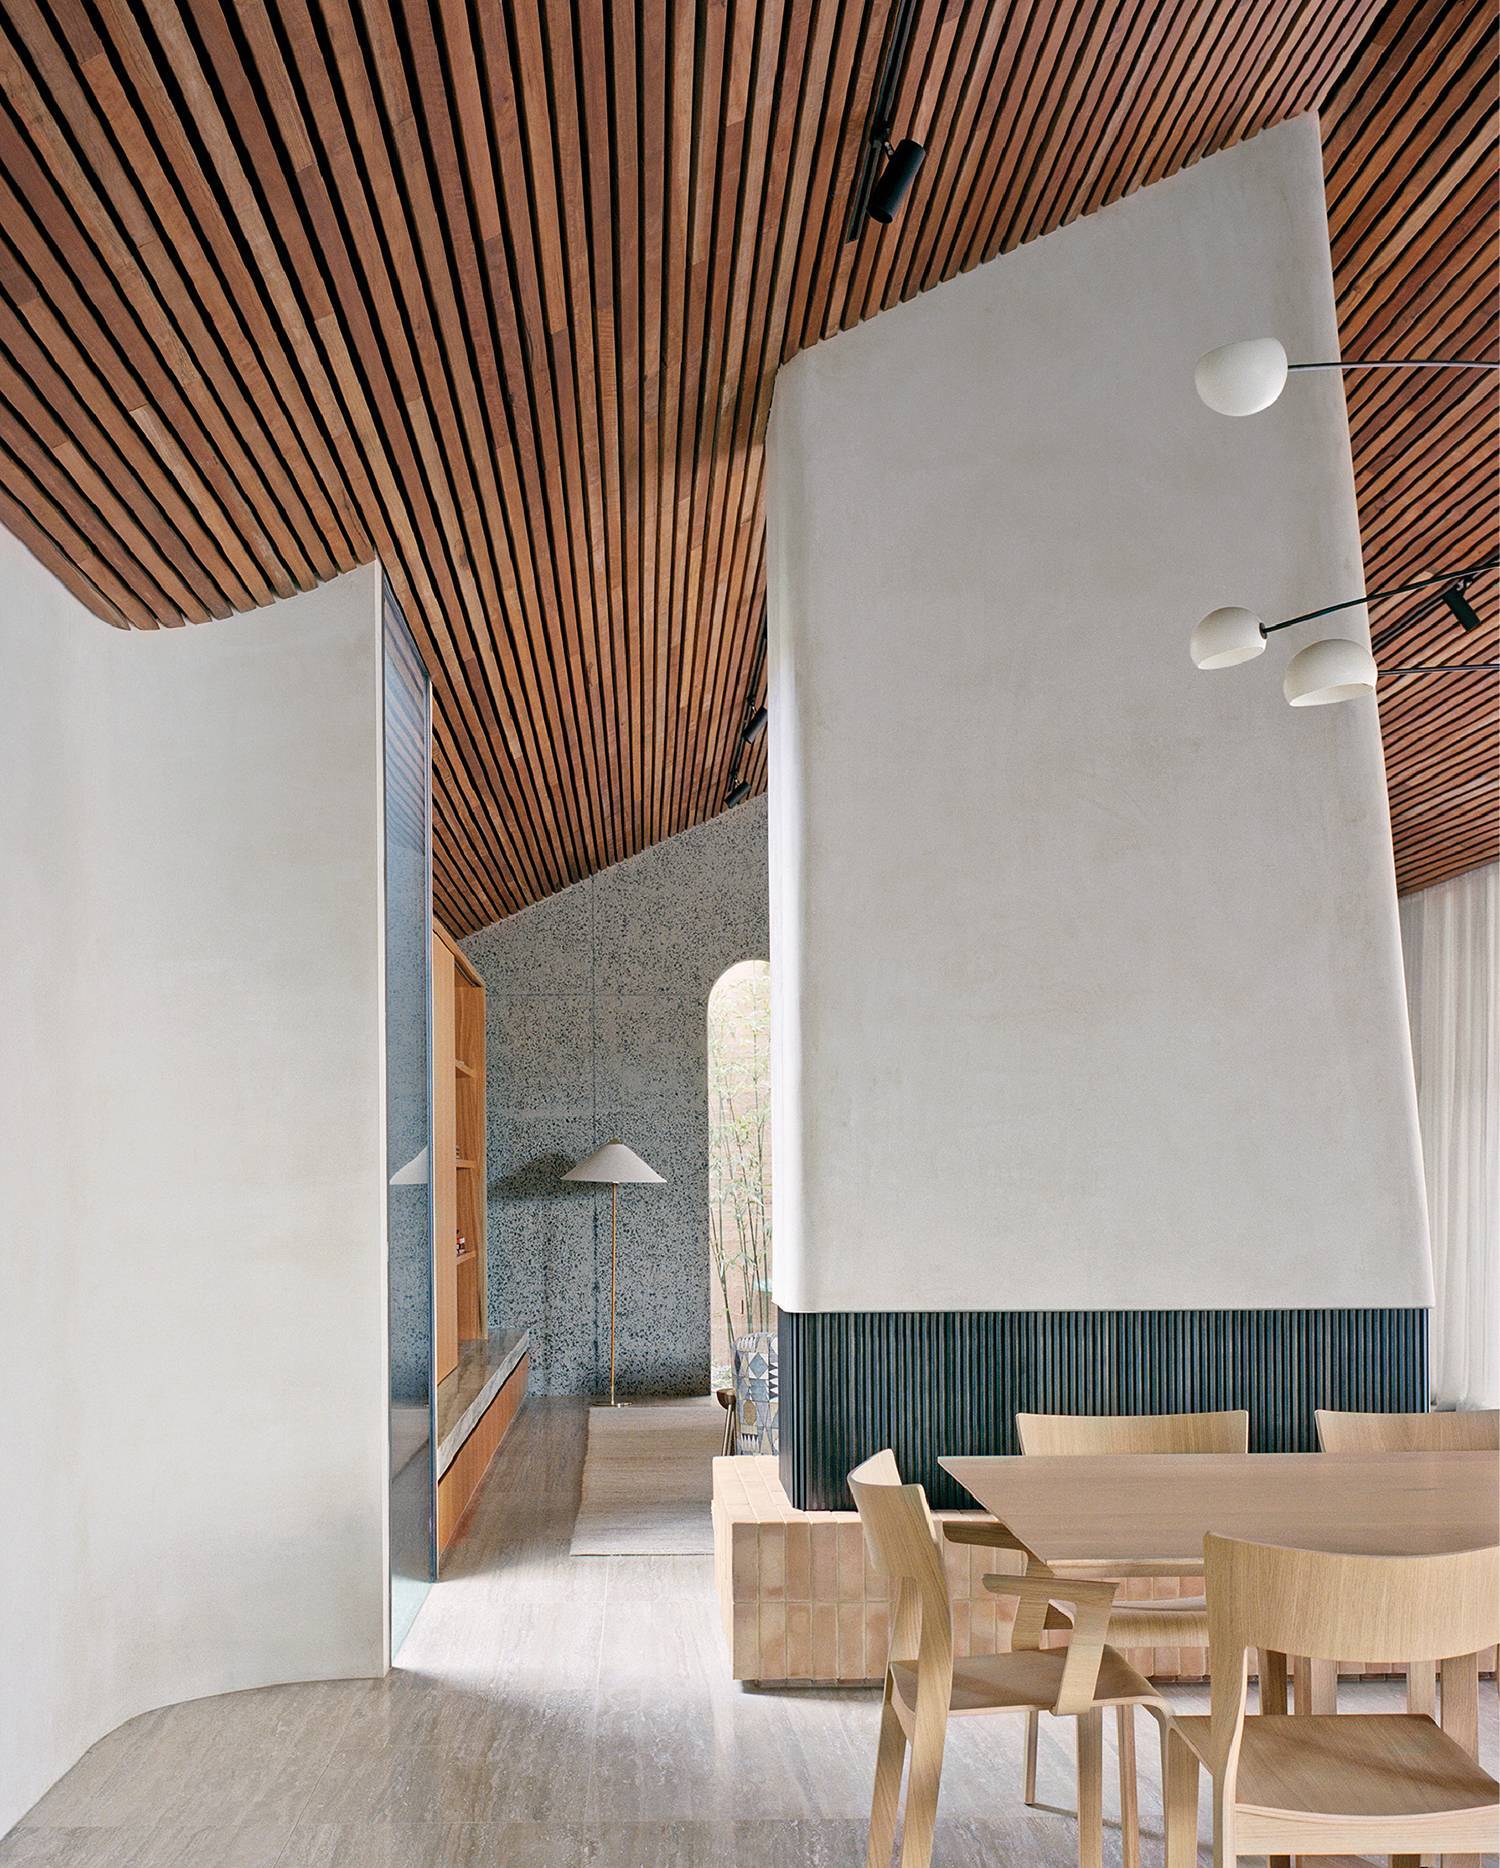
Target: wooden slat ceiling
point(1409, 149)
point(499, 293)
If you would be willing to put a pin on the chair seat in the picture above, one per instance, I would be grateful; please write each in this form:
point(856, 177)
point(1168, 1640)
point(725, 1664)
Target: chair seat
point(1026, 1682)
point(1376, 1765)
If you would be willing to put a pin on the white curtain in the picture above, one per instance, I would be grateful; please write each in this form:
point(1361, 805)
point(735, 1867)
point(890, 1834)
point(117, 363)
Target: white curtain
point(1451, 938)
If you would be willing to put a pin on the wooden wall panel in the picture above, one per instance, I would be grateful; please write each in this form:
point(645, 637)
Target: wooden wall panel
point(444, 1163)
point(499, 294)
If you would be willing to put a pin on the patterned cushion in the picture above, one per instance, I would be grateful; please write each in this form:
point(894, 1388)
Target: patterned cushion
point(756, 1399)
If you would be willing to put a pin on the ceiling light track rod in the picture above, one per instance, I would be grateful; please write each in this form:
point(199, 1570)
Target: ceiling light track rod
point(1445, 668)
point(1379, 596)
point(1400, 363)
point(877, 143)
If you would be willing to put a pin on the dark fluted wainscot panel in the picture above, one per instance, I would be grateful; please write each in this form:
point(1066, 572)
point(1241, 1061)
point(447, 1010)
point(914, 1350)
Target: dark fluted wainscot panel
point(930, 1383)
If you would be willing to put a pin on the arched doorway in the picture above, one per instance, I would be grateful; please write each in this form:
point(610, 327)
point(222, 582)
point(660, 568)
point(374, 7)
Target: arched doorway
point(739, 1158)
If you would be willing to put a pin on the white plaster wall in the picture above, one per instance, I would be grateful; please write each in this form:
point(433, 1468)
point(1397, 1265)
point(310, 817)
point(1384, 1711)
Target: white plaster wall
point(1087, 976)
point(192, 1332)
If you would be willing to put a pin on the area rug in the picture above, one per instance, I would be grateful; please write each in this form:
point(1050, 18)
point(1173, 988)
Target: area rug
point(648, 1480)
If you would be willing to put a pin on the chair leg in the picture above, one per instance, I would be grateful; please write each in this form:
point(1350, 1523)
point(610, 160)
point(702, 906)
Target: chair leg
point(922, 1780)
point(1316, 1685)
point(1461, 1701)
point(1460, 1720)
point(1130, 1811)
point(1274, 1699)
point(1421, 1687)
point(1091, 1788)
point(1028, 1775)
point(890, 1756)
point(1225, 1852)
point(1180, 1800)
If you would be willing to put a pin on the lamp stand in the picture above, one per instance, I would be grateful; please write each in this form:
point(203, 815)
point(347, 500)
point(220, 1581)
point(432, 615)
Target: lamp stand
point(614, 1215)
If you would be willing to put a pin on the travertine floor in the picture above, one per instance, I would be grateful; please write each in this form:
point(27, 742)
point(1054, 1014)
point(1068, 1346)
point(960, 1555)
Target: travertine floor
point(548, 1711)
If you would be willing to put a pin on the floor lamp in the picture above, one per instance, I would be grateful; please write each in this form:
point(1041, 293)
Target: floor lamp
point(618, 1165)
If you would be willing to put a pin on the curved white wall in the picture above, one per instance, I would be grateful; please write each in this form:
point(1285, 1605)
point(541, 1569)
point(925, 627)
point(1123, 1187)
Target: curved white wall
point(192, 1296)
point(1088, 988)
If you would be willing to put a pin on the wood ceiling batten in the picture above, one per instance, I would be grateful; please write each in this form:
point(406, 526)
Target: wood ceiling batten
point(498, 294)
point(1409, 143)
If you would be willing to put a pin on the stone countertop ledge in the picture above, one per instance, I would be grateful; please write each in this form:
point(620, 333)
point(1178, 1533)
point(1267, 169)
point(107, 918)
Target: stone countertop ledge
point(463, 1395)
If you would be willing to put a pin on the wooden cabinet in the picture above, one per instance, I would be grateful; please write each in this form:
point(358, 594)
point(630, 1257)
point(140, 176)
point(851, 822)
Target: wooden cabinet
point(458, 1137)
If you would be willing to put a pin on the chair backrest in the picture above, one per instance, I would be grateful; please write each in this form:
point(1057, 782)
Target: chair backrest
point(1226, 1432)
point(1335, 1607)
point(1475, 1431)
point(903, 1542)
point(906, 1547)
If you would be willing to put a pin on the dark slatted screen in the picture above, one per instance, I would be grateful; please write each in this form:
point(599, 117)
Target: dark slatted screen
point(930, 1383)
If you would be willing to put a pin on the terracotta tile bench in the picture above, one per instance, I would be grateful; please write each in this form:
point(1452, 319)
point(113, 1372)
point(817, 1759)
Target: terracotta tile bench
point(799, 1598)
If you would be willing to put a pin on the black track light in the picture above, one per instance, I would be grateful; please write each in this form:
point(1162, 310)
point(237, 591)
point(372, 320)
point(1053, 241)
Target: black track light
point(895, 179)
point(755, 726)
point(738, 792)
point(1464, 613)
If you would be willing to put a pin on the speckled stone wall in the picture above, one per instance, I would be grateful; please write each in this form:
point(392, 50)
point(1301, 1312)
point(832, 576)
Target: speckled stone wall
point(597, 1003)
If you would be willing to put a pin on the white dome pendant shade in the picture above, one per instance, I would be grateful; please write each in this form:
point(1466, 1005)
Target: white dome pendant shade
point(1243, 378)
point(1227, 636)
point(1328, 671)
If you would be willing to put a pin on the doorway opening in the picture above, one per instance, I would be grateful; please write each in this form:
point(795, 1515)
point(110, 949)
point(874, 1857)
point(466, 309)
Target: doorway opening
point(739, 1160)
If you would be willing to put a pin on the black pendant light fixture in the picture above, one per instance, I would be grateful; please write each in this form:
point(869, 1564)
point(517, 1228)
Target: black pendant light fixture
point(1242, 379)
point(1463, 612)
point(885, 174)
point(891, 185)
point(1335, 669)
point(1453, 598)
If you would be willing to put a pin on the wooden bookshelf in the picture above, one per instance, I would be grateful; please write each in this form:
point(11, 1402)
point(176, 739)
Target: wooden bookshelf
point(458, 1135)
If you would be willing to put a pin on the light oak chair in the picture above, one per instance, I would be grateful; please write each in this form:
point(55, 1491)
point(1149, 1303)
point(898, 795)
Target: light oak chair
point(1179, 1622)
point(925, 1686)
point(1476, 1431)
point(1354, 1784)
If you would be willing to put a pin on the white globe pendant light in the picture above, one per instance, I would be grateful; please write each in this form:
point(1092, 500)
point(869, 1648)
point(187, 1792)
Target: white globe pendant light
point(1227, 636)
point(1243, 378)
point(1333, 670)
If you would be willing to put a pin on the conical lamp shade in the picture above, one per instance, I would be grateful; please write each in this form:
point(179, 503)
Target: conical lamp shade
point(414, 1174)
point(614, 1164)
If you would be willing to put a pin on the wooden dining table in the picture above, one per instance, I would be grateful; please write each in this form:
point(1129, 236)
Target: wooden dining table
point(1146, 1514)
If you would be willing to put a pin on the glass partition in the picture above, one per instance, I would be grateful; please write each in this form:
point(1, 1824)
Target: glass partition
point(408, 1024)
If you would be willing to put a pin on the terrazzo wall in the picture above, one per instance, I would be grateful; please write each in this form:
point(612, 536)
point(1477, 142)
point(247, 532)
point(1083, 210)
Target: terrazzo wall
point(597, 1005)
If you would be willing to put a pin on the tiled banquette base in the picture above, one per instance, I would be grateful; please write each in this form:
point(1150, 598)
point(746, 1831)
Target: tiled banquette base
point(801, 1602)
